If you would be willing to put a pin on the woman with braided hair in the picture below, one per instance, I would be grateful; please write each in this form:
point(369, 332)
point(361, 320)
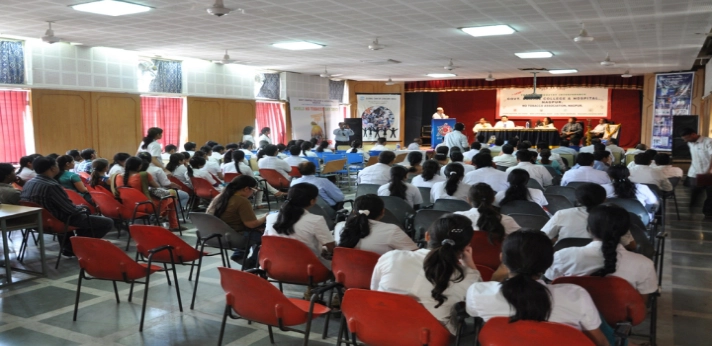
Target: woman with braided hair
point(452, 187)
point(485, 217)
point(437, 277)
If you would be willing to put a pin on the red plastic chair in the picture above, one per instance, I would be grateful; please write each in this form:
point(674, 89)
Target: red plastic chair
point(620, 303)
point(149, 237)
point(203, 189)
point(498, 331)
point(276, 179)
point(230, 176)
point(136, 198)
point(79, 201)
point(383, 318)
point(290, 261)
point(484, 253)
point(295, 172)
point(255, 299)
point(104, 261)
point(84, 175)
point(485, 272)
point(182, 186)
point(50, 225)
point(115, 210)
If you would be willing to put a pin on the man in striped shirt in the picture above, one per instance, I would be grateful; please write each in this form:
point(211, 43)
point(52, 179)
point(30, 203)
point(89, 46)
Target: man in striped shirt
point(47, 192)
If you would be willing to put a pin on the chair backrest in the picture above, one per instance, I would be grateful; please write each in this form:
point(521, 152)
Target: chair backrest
point(290, 260)
point(485, 253)
point(203, 188)
point(533, 184)
point(354, 158)
point(388, 217)
point(451, 205)
point(150, 237)
point(84, 175)
point(566, 191)
point(332, 157)
point(629, 158)
point(183, 187)
point(274, 178)
point(372, 160)
point(674, 181)
point(424, 218)
point(655, 189)
point(557, 202)
point(230, 176)
point(614, 297)
point(632, 205)
point(78, 200)
point(373, 153)
point(522, 207)
point(353, 268)
point(365, 189)
point(130, 196)
point(575, 184)
point(295, 172)
point(502, 168)
point(102, 259)
point(571, 242)
point(535, 222)
point(485, 272)
point(315, 161)
point(616, 157)
point(498, 331)
point(567, 158)
point(208, 225)
point(50, 224)
point(383, 318)
point(327, 208)
point(334, 166)
point(319, 210)
point(110, 207)
point(644, 245)
point(425, 194)
point(256, 299)
point(399, 207)
point(400, 158)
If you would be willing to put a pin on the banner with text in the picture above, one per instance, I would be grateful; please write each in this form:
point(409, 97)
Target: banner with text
point(380, 116)
point(310, 117)
point(673, 96)
point(555, 103)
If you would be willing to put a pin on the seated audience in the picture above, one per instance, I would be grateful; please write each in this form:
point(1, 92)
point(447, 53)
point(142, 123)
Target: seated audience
point(601, 160)
point(196, 170)
point(85, 166)
point(271, 161)
point(356, 148)
point(639, 148)
point(429, 176)
point(323, 147)
point(380, 145)
point(498, 144)
point(414, 163)
point(585, 172)
point(486, 173)
point(294, 159)
point(643, 173)
point(474, 150)
point(247, 148)
point(190, 147)
point(70, 180)
point(518, 190)
point(98, 177)
point(452, 187)
point(8, 193)
point(25, 173)
point(564, 149)
point(417, 142)
point(485, 217)
point(306, 150)
point(212, 165)
point(546, 160)
point(505, 158)
point(538, 173)
point(117, 167)
point(554, 156)
point(74, 153)
point(620, 186)
point(169, 150)
point(329, 192)
point(456, 157)
point(441, 155)
point(176, 166)
point(397, 187)
point(378, 173)
point(662, 161)
point(161, 178)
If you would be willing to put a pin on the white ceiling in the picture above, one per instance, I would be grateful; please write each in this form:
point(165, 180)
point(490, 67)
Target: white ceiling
point(641, 35)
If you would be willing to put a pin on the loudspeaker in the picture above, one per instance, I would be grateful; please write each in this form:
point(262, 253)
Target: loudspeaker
point(680, 150)
point(356, 126)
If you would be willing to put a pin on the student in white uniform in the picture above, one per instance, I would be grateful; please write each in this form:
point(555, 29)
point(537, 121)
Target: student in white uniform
point(644, 173)
point(538, 173)
point(417, 142)
point(437, 277)
point(294, 159)
point(151, 145)
point(486, 173)
point(524, 297)
point(161, 178)
point(306, 150)
point(585, 172)
point(356, 148)
point(294, 221)
point(196, 170)
point(380, 145)
point(622, 187)
point(236, 164)
point(176, 167)
point(117, 166)
point(486, 217)
point(505, 158)
point(430, 175)
point(25, 172)
point(399, 188)
point(605, 255)
point(363, 230)
point(452, 187)
point(457, 157)
point(264, 135)
point(662, 163)
point(248, 134)
point(518, 190)
point(271, 161)
point(211, 167)
point(380, 173)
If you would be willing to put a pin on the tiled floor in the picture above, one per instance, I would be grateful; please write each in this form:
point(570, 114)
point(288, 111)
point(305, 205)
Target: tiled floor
point(39, 312)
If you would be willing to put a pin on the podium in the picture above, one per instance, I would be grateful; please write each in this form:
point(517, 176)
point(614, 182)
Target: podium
point(440, 128)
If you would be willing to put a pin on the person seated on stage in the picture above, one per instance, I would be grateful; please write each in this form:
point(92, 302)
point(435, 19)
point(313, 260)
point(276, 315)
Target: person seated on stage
point(662, 163)
point(440, 114)
point(380, 145)
point(456, 138)
point(643, 173)
point(600, 129)
point(474, 150)
point(538, 173)
point(611, 130)
point(482, 124)
point(329, 192)
point(545, 123)
point(504, 123)
point(505, 158)
point(417, 142)
point(572, 130)
point(379, 173)
point(585, 172)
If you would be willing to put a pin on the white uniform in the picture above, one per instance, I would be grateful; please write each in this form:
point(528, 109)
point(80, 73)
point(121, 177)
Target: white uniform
point(378, 174)
point(493, 177)
point(504, 125)
point(418, 181)
point(536, 172)
point(311, 230)
point(701, 152)
point(535, 195)
point(585, 174)
point(468, 168)
point(572, 223)
point(438, 192)
point(383, 237)
point(507, 221)
point(412, 194)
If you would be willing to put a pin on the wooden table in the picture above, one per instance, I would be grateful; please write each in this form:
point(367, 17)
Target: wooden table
point(15, 217)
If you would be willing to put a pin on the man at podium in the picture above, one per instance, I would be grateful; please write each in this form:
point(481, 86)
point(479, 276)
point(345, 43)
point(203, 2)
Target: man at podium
point(456, 138)
point(440, 114)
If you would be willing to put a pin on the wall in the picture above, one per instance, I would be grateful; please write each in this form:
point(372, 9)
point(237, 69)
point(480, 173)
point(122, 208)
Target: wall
point(366, 87)
point(303, 86)
point(221, 120)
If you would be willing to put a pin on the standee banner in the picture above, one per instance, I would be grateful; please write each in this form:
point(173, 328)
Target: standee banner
point(673, 96)
point(555, 103)
point(311, 118)
point(440, 128)
point(380, 116)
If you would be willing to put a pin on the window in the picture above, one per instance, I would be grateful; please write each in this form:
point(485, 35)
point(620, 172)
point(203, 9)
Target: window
point(169, 77)
point(14, 114)
point(12, 62)
point(269, 89)
point(271, 114)
point(163, 112)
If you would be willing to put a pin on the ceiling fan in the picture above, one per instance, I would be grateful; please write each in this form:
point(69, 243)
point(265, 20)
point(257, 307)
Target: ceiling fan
point(49, 35)
point(390, 81)
point(450, 66)
point(218, 9)
point(326, 74)
point(225, 60)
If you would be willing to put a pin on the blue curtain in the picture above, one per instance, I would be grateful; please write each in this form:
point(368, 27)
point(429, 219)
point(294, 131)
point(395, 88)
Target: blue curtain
point(336, 90)
point(169, 77)
point(270, 87)
point(12, 62)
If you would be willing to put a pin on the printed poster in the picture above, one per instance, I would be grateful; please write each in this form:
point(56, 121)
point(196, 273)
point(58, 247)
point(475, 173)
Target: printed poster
point(380, 116)
point(555, 103)
point(311, 118)
point(673, 96)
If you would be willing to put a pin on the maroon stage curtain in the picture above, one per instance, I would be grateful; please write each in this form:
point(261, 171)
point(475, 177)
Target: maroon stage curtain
point(603, 81)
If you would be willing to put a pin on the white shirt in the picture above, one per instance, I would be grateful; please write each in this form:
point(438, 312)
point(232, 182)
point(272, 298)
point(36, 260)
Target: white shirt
point(159, 176)
point(273, 162)
point(383, 237)
point(669, 171)
point(536, 172)
point(201, 173)
point(587, 149)
point(116, 169)
point(554, 157)
point(379, 174)
point(437, 115)
point(217, 157)
point(212, 167)
point(570, 304)
point(504, 125)
point(643, 174)
point(642, 193)
point(153, 148)
point(506, 160)
point(547, 126)
point(507, 221)
point(470, 154)
point(26, 174)
point(438, 192)
point(418, 181)
point(311, 230)
point(179, 173)
point(413, 146)
point(572, 223)
point(456, 139)
point(401, 272)
point(493, 177)
point(309, 154)
point(612, 148)
point(535, 195)
point(264, 138)
point(342, 135)
point(479, 127)
point(230, 168)
point(600, 128)
point(585, 174)
point(379, 147)
point(635, 268)
point(412, 194)
point(248, 153)
point(248, 138)
point(701, 153)
point(294, 160)
point(468, 168)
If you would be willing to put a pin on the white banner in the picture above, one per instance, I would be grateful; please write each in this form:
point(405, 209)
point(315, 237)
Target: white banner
point(311, 118)
point(555, 103)
point(380, 115)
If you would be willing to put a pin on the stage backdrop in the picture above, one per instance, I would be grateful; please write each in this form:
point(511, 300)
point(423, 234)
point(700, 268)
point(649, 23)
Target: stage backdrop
point(380, 115)
point(673, 96)
point(555, 103)
point(311, 118)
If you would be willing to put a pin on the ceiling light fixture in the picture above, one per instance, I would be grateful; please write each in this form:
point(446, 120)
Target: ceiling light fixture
point(375, 45)
point(563, 71)
point(111, 8)
point(607, 62)
point(490, 78)
point(49, 35)
point(490, 30)
point(390, 81)
point(626, 74)
point(441, 75)
point(534, 55)
point(583, 35)
point(298, 45)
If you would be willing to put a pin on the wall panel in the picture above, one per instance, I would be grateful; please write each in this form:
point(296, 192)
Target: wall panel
point(204, 119)
point(117, 120)
point(62, 120)
point(237, 115)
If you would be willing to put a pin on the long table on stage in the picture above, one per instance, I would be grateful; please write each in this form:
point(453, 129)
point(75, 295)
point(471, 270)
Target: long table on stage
point(535, 136)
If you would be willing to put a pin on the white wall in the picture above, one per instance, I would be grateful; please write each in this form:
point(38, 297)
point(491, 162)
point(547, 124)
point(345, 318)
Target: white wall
point(304, 86)
point(708, 79)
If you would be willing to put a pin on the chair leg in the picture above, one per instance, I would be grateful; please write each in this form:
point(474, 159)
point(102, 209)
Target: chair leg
point(145, 299)
point(131, 291)
point(225, 255)
point(175, 278)
point(197, 279)
point(62, 242)
point(271, 335)
point(168, 276)
point(328, 315)
point(79, 288)
point(674, 198)
point(116, 292)
point(224, 321)
point(341, 330)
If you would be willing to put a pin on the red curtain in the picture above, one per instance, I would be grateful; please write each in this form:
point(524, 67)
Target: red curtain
point(13, 105)
point(604, 81)
point(271, 114)
point(163, 112)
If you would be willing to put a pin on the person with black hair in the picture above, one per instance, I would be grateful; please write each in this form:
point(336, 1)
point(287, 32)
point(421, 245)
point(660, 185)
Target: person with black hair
point(363, 230)
point(195, 169)
point(8, 193)
point(379, 173)
point(212, 166)
point(169, 150)
point(161, 178)
point(357, 148)
point(662, 163)
point(323, 147)
point(504, 123)
point(486, 173)
point(498, 143)
point(572, 130)
point(620, 186)
point(70, 180)
point(485, 216)
point(342, 135)
point(564, 149)
point(437, 277)
point(74, 153)
point(518, 190)
point(584, 172)
point(457, 158)
point(605, 255)
point(474, 150)
point(282, 151)
point(415, 145)
point(271, 161)
point(429, 176)
point(413, 162)
point(612, 146)
point(264, 135)
point(538, 173)
point(701, 155)
point(591, 148)
point(452, 187)
point(98, 175)
point(545, 123)
point(218, 152)
point(53, 155)
point(380, 145)
point(190, 148)
point(481, 125)
point(441, 155)
point(329, 192)
point(247, 147)
point(232, 146)
point(643, 173)
point(456, 138)
point(85, 166)
point(601, 160)
point(151, 145)
point(248, 134)
point(177, 167)
point(117, 167)
point(639, 148)
point(546, 160)
point(49, 194)
point(523, 296)
point(398, 187)
point(296, 222)
point(294, 159)
point(575, 144)
point(306, 150)
point(554, 156)
point(25, 173)
point(505, 158)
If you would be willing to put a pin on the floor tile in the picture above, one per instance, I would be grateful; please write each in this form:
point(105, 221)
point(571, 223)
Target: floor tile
point(185, 330)
point(692, 277)
point(689, 260)
point(691, 246)
point(26, 337)
point(40, 301)
point(692, 300)
point(691, 331)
